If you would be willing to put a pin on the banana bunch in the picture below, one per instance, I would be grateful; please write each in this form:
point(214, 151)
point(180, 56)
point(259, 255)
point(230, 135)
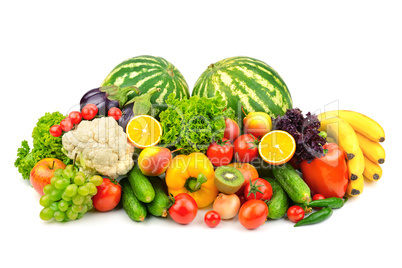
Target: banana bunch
point(360, 137)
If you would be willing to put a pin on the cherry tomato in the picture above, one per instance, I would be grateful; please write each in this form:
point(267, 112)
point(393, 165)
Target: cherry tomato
point(253, 213)
point(108, 195)
point(93, 107)
point(246, 148)
point(184, 209)
point(316, 197)
point(75, 117)
point(212, 218)
point(115, 113)
point(258, 189)
point(88, 113)
point(66, 124)
point(295, 213)
point(220, 154)
point(55, 131)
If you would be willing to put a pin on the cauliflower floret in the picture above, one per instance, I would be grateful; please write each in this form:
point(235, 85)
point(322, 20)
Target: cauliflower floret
point(100, 146)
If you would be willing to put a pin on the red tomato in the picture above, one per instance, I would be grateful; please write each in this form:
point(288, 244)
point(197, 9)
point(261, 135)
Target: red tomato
point(115, 113)
point(212, 218)
point(253, 213)
point(258, 189)
point(108, 195)
point(317, 197)
point(295, 213)
point(184, 209)
point(88, 113)
point(66, 124)
point(93, 107)
point(246, 148)
point(220, 155)
point(55, 131)
point(75, 117)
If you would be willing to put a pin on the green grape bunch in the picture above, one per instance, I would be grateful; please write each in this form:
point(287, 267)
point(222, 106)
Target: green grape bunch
point(69, 195)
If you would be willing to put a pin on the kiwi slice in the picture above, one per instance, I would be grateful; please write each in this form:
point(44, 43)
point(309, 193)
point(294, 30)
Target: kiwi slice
point(228, 180)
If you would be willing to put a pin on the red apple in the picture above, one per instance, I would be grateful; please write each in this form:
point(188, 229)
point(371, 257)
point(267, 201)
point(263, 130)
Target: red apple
point(257, 123)
point(232, 130)
point(43, 171)
point(154, 160)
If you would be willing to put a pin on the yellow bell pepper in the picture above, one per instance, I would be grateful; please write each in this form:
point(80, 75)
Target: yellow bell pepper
point(192, 174)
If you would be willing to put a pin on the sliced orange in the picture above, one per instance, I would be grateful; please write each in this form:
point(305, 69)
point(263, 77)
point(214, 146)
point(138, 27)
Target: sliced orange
point(144, 131)
point(277, 147)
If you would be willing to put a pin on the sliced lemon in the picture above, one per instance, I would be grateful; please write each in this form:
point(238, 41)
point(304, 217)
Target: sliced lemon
point(144, 131)
point(277, 147)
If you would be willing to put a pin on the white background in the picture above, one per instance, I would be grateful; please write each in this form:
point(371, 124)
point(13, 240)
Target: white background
point(347, 52)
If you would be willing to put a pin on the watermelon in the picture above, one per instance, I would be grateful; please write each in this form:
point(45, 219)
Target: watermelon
point(146, 73)
point(245, 83)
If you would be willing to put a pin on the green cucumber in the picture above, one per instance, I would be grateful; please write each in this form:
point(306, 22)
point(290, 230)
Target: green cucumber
point(135, 209)
point(279, 203)
point(141, 185)
point(160, 205)
point(292, 183)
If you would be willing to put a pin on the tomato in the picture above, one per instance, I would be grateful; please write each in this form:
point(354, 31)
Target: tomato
point(55, 131)
point(66, 124)
point(107, 196)
point(184, 209)
point(75, 117)
point(258, 189)
point(88, 113)
point(115, 113)
point(220, 154)
point(212, 218)
point(317, 197)
point(253, 213)
point(295, 213)
point(246, 148)
point(93, 107)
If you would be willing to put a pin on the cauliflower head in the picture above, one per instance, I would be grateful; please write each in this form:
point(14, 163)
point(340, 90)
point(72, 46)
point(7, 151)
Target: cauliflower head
point(100, 146)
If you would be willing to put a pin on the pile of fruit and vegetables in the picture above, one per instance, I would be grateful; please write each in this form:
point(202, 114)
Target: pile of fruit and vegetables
point(236, 148)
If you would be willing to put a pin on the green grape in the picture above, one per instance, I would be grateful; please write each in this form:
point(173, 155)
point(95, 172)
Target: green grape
point(68, 172)
point(45, 200)
point(58, 172)
point(61, 184)
point(59, 216)
point(79, 179)
point(76, 208)
point(54, 206)
point(48, 189)
point(66, 197)
point(56, 194)
point(92, 188)
point(96, 180)
point(63, 205)
point(87, 199)
point(71, 190)
point(83, 190)
point(78, 199)
point(80, 215)
point(90, 205)
point(53, 180)
point(46, 214)
point(71, 214)
point(84, 209)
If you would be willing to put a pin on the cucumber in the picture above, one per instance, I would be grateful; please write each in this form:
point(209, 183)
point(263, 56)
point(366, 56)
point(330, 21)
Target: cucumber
point(279, 203)
point(292, 183)
point(160, 205)
point(141, 185)
point(135, 209)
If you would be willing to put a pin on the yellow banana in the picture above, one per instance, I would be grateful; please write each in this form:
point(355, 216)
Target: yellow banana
point(360, 123)
point(356, 166)
point(371, 149)
point(372, 171)
point(355, 187)
point(342, 133)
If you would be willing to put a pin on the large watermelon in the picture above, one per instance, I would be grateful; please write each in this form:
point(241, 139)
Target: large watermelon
point(245, 82)
point(146, 73)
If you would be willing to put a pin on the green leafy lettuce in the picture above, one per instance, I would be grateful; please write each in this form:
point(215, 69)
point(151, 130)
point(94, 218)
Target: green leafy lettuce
point(44, 145)
point(192, 124)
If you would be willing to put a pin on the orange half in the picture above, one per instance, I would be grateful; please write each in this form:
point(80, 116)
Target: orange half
point(144, 131)
point(277, 147)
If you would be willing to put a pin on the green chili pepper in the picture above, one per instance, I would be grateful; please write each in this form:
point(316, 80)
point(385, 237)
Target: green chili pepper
point(316, 217)
point(332, 202)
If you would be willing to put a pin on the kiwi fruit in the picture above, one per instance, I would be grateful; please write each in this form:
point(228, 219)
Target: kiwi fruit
point(228, 180)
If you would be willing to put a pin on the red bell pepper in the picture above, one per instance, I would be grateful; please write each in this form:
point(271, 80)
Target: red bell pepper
point(327, 175)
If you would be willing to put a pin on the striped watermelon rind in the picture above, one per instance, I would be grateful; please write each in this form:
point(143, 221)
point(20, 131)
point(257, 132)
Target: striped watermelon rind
point(146, 73)
point(245, 82)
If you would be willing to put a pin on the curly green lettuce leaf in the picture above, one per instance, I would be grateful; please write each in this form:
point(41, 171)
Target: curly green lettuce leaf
point(44, 145)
